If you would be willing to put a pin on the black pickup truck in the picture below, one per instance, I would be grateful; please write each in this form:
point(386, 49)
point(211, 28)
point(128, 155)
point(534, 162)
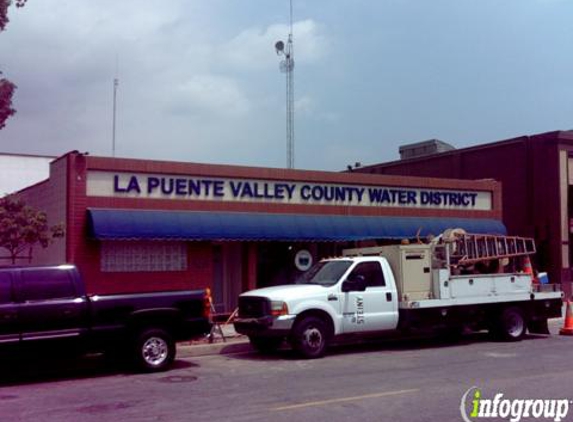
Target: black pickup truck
point(42, 307)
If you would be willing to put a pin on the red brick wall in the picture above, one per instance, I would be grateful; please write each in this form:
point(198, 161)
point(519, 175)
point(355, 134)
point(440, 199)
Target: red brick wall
point(85, 252)
point(199, 273)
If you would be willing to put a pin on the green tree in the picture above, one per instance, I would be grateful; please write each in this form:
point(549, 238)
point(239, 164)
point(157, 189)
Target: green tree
point(4, 4)
point(23, 227)
point(7, 88)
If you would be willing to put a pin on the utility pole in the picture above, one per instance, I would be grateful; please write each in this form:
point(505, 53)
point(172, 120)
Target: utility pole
point(287, 66)
point(115, 85)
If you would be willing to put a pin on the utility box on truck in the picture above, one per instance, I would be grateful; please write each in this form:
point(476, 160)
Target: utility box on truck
point(411, 265)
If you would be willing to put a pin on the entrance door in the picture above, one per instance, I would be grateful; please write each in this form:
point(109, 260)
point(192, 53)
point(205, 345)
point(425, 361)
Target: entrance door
point(233, 273)
point(373, 309)
point(218, 281)
point(275, 264)
point(228, 264)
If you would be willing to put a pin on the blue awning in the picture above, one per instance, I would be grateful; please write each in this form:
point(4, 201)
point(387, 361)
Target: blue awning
point(107, 224)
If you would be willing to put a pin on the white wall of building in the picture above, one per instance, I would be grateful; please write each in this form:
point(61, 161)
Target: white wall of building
point(20, 171)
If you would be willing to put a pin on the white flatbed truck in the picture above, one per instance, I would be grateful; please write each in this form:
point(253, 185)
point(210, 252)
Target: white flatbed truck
point(451, 284)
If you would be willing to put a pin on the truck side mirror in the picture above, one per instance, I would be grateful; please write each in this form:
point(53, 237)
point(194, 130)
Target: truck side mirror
point(346, 286)
point(354, 283)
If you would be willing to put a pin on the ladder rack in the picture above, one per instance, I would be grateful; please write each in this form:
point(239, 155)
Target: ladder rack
point(467, 248)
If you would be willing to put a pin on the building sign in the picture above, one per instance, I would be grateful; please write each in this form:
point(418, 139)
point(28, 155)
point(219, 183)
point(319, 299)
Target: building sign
point(137, 185)
point(303, 260)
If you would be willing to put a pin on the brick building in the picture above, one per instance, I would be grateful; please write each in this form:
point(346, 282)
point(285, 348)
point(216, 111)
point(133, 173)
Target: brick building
point(536, 173)
point(135, 225)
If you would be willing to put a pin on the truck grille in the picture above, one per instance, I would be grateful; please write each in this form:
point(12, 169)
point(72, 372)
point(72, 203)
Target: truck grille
point(253, 307)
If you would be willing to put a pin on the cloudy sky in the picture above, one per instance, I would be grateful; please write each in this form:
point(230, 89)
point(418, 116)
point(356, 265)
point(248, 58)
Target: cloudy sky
point(199, 80)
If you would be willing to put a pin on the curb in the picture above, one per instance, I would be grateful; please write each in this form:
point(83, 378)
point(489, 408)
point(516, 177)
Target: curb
point(238, 344)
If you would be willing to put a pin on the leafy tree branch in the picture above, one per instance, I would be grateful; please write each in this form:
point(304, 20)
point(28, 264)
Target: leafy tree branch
point(7, 88)
point(22, 227)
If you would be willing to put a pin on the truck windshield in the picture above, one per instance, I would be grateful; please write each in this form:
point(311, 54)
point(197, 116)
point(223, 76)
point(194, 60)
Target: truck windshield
point(325, 273)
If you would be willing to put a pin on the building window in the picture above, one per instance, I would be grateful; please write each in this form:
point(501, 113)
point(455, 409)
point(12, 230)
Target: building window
point(129, 256)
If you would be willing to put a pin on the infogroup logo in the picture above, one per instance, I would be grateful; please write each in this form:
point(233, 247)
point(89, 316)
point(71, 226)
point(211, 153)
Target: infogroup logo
point(474, 407)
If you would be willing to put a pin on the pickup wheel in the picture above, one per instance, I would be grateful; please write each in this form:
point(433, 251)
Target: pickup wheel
point(511, 325)
point(154, 350)
point(310, 337)
point(265, 344)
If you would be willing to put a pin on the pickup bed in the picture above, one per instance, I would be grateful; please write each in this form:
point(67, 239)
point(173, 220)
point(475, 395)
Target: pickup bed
point(43, 307)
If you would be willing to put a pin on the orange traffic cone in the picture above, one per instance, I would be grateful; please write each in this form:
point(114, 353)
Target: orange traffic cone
point(527, 268)
point(567, 329)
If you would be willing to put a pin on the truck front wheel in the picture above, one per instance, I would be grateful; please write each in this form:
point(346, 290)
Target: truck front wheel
point(154, 350)
point(310, 337)
point(511, 325)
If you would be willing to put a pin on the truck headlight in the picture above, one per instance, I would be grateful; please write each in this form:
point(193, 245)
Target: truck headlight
point(278, 308)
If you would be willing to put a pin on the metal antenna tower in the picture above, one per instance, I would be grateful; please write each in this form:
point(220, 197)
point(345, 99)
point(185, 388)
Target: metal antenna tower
point(115, 85)
point(287, 66)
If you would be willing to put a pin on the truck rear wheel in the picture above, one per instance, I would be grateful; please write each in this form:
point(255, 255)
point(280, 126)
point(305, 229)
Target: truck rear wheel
point(310, 337)
point(154, 350)
point(511, 325)
point(265, 344)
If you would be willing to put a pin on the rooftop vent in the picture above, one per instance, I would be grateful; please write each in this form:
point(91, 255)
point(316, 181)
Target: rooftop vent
point(424, 148)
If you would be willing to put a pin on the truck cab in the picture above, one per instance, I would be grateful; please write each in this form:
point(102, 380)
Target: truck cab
point(342, 296)
point(41, 304)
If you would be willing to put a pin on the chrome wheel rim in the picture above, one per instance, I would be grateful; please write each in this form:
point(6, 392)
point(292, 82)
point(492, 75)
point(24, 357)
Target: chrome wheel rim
point(155, 351)
point(515, 325)
point(313, 338)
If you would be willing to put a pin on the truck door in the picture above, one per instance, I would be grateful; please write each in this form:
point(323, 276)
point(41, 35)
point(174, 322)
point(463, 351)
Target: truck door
point(373, 309)
point(50, 307)
point(9, 330)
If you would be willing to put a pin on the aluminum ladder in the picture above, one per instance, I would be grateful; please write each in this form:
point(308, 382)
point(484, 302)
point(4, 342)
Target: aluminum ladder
point(469, 248)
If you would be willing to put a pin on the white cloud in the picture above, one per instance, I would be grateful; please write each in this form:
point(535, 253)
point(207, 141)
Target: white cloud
point(304, 105)
point(209, 94)
point(307, 107)
point(253, 48)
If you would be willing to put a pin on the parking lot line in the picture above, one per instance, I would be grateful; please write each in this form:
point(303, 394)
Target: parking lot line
point(343, 400)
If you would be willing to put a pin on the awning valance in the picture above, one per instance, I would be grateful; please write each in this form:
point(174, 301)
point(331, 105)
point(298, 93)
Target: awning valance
point(107, 224)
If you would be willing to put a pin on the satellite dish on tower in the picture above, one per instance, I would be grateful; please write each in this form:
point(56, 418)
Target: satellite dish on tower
point(279, 47)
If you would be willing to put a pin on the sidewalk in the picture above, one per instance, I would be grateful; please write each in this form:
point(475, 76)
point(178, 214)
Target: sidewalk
point(232, 343)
